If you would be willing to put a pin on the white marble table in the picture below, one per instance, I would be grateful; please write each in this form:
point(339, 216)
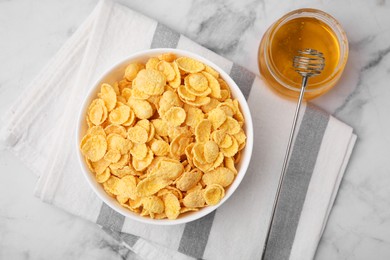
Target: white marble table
point(359, 226)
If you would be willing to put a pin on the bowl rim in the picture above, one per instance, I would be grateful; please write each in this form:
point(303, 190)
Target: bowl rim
point(245, 160)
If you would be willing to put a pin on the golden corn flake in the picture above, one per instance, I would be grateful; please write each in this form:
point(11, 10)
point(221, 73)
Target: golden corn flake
point(169, 57)
point(198, 156)
point(123, 161)
point(194, 200)
point(121, 172)
point(168, 169)
point(119, 115)
point(166, 138)
point(89, 123)
point(167, 69)
point(117, 142)
point(231, 126)
point(212, 71)
point(152, 63)
point(184, 94)
point(188, 153)
point(217, 117)
point(163, 192)
point(225, 92)
point(132, 70)
point(94, 147)
point(213, 194)
point(112, 156)
point(116, 129)
point(139, 151)
point(194, 82)
point(141, 165)
point(127, 187)
point(131, 119)
point(122, 199)
point(151, 82)
point(103, 177)
point(160, 215)
point(199, 101)
point(153, 204)
point(94, 130)
point(159, 147)
point(203, 131)
point(97, 112)
point(219, 136)
point(185, 209)
point(142, 108)
point(231, 150)
point(175, 83)
point(189, 65)
point(145, 124)
point(211, 151)
point(138, 94)
point(194, 117)
point(124, 83)
point(213, 103)
point(226, 142)
point(126, 94)
point(204, 167)
point(173, 132)
point(197, 187)
point(161, 127)
point(89, 164)
point(229, 163)
point(175, 191)
point(100, 166)
point(121, 99)
point(107, 93)
point(151, 185)
point(167, 101)
point(152, 132)
point(179, 144)
point(115, 86)
point(188, 180)
point(137, 134)
point(115, 185)
point(240, 137)
point(197, 82)
point(222, 176)
point(218, 161)
point(172, 206)
point(228, 108)
point(175, 116)
point(213, 84)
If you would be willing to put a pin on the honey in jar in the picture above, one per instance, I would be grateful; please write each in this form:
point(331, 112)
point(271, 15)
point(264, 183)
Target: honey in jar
point(298, 30)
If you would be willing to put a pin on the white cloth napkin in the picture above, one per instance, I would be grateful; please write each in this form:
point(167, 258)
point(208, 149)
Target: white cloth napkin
point(40, 130)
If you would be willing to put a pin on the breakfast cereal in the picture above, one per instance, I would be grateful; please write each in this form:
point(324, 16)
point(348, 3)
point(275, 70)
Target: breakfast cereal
point(166, 138)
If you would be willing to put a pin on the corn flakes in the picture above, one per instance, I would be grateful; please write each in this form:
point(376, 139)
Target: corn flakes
point(213, 194)
point(165, 139)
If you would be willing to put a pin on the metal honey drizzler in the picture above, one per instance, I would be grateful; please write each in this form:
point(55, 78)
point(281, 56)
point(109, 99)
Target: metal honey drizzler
point(308, 63)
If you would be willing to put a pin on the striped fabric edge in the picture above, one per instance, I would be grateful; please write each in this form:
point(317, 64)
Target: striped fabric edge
point(294, 188)
point(49, 184)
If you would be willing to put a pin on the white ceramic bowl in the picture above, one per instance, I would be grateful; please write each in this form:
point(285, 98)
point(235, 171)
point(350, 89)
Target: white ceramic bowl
point(115, 73)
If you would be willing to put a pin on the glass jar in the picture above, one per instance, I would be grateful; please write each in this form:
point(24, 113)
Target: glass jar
point(289, 31)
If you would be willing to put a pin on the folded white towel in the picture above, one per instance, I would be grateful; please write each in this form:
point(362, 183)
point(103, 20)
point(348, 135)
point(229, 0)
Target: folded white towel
point(40, 130)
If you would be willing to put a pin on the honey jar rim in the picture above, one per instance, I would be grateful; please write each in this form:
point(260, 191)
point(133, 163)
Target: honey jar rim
point(324, 17)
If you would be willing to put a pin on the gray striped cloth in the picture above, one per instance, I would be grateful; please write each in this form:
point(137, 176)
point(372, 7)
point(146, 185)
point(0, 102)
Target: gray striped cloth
point(39, 129)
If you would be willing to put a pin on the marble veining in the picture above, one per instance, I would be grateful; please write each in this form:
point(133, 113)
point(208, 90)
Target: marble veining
point(220, 16)
point(359, 224)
